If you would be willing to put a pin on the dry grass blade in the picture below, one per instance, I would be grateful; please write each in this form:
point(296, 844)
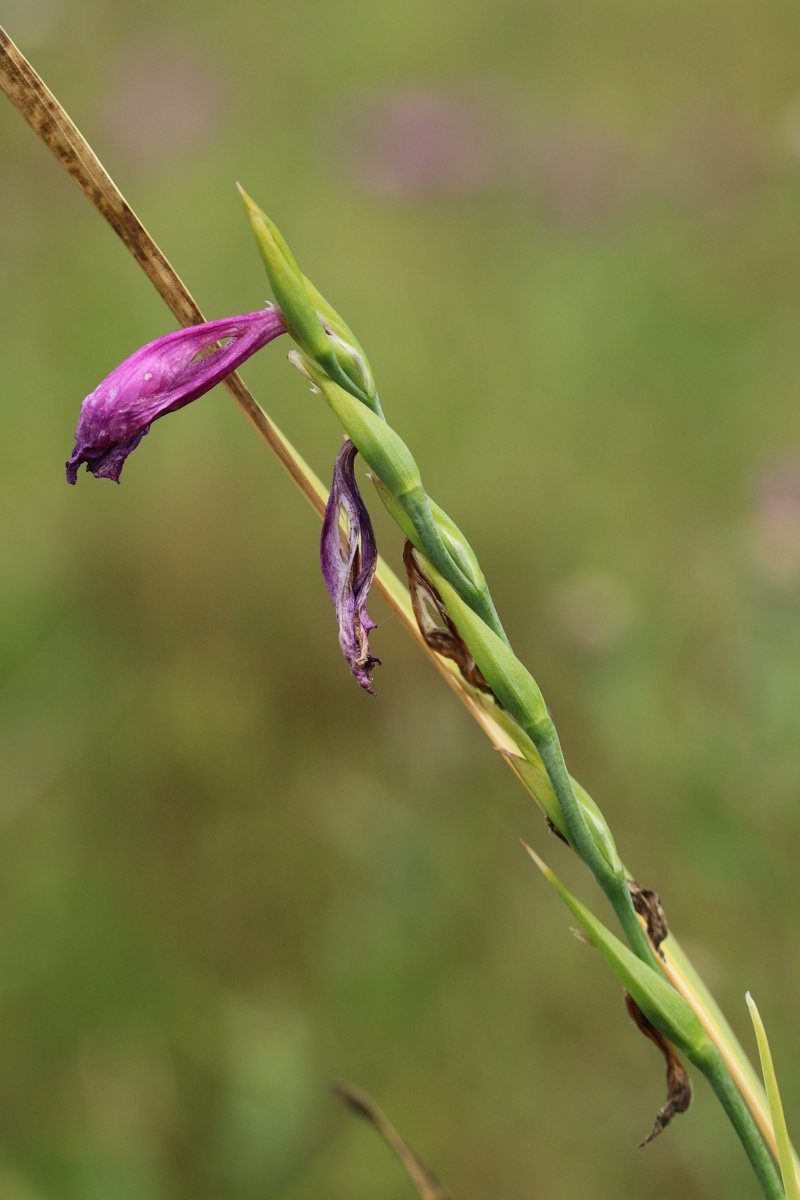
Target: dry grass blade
point(421, 1176)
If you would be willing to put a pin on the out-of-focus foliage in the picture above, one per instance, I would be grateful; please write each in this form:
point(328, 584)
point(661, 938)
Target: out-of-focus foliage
point(568, 236)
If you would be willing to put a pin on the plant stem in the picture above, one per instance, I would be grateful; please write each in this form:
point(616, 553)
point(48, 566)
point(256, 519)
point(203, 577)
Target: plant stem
point(739, 1116)
point(613, 883)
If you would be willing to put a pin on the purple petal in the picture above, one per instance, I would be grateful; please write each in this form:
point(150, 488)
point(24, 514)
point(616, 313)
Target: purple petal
point(160, 378)
point(349, 570)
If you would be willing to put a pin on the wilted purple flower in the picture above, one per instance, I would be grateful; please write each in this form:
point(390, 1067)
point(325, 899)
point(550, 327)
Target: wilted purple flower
point(349, 571)
point(160, 378)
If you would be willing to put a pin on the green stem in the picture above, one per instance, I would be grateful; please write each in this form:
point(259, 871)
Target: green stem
point(613, 883)
point(739, 1116)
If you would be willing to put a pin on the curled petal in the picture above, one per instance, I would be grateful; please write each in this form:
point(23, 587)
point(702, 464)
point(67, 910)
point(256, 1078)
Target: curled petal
point(349, 569)
point(160, 378)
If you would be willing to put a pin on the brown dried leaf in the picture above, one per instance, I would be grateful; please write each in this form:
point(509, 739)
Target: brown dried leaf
point(648, 905)
point(551, 825)
point(421, 1176)
point(679, 1087)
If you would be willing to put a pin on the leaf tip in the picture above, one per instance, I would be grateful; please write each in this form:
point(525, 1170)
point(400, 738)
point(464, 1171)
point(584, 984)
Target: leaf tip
point(543, 867)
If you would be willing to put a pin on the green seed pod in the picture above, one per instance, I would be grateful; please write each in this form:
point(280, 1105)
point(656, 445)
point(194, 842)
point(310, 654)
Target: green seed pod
point(348, 349)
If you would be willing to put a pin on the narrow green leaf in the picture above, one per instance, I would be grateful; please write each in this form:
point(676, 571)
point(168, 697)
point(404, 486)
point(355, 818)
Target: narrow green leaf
point(658, 1000)
point(785, 1156)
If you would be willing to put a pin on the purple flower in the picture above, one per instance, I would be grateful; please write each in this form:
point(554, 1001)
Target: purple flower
point(349, 570)
point(160, 378)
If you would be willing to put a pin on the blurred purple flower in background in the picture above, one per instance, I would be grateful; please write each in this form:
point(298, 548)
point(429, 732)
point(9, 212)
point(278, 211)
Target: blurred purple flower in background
point(773, 531)
point(576, 169)
point(165, 100)
point(420, 141)
point(162, 377)
point(470, 138)
point(349, 572)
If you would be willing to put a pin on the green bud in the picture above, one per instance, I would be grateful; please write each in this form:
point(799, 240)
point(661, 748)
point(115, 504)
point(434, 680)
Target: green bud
point(383, 450)
point(454, 550)
point(512, 684)
point(398, 514)
point(458, 547)
point(348, 349)
point(535, 778)
point(665, 1008)
point(307, 313)
point(288, 285)
point(519, 694)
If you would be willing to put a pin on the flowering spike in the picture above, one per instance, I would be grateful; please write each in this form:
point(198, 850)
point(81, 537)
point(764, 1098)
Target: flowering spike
point(349, 571)
point(160, 378)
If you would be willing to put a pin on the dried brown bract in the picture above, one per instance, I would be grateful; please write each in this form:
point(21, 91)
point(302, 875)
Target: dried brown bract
point(648, 905)
point(435, 623)
point(679, 1087)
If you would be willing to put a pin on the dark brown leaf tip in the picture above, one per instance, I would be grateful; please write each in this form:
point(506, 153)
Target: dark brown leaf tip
point(648, 905)
point(679, 1087)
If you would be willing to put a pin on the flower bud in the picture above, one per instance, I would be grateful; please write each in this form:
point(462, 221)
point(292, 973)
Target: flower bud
point(317, 328)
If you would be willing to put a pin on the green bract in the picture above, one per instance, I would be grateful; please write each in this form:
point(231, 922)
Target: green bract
point(536, 780)
point(400, 486)
point(661, 1004)
point(317, 328)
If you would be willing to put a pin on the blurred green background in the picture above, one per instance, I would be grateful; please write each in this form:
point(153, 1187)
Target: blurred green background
point(568, 236)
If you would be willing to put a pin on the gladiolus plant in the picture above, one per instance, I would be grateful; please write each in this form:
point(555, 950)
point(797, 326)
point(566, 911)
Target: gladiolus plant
point(448, 603)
